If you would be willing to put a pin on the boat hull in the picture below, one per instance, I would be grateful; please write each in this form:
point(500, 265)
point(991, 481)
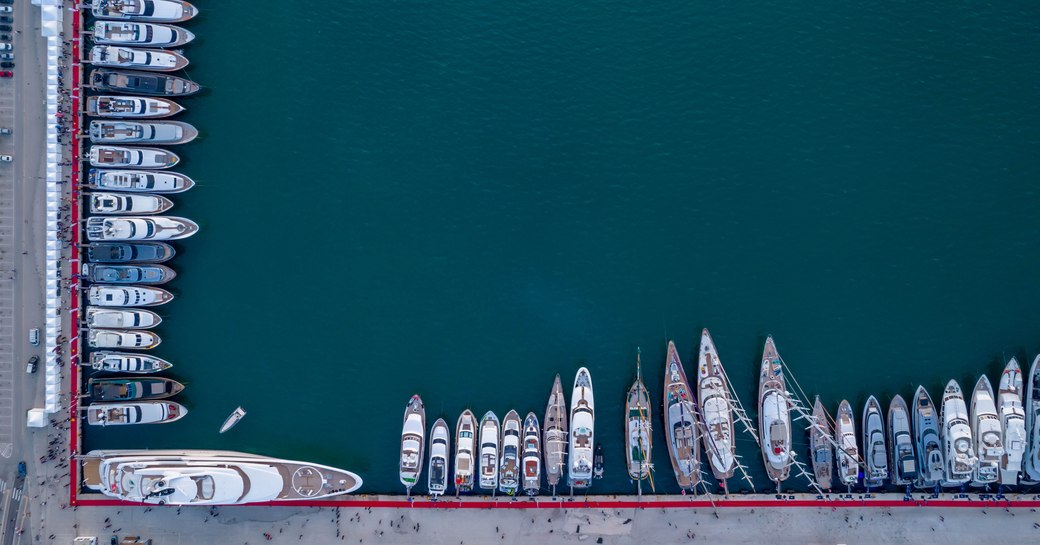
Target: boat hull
point(123, 362)
point(555, 434)
point(413, 442)
point(465, 447)
point(165, 133)
point(582, 439)
point(141, 83)
point(140, 34)
point(131, 107)
point(155, 11)
point(137, 412)
point(679, 416)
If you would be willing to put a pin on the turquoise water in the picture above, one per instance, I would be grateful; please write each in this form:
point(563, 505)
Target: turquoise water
point(463, 199)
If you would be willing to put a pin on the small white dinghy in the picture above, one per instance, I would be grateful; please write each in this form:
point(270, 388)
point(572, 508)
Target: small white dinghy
point(235, 418)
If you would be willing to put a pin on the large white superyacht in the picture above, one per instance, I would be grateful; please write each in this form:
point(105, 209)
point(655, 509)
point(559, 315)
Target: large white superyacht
point(1012, 423)
point(956, 436)
point(583, 423)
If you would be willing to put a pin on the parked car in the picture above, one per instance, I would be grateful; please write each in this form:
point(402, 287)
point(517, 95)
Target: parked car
point(8, 159)
point(7, 56)
point(5, 28)
point(4, 46)
point(6, 64)
point(5, 37)
point(5, 130)
point(6, 74)
point(34, 333)
point(6, 19)
point(34, 362)
point(6, 9)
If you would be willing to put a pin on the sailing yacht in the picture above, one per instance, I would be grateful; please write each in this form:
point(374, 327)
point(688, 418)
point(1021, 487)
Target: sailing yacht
point(774, 415)
point(437, 478)
point(413, 437)
point(638, 428)
point(531, 460)
point(930, 459)
point(489, 447)
point(848, 453)
point(465, 442)
point(1012, 423)
point(1031, 461)
point(820, 446)
point(956, 437)
point(509, 470)
point(554, 444)
point(716, 411)
point(583, 423)
point(902, 461)
point(985, 428)
point(680, 426)
point(875, 453)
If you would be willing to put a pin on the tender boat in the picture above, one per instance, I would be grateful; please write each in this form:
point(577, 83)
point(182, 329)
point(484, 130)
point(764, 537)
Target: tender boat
point(121, 362)
point(821, 450)
point(437, 479)
point(116, 203)
point(489, 448)
point(902, 460)
point(122, 318)
point(985, 428)
point(208, 477)
point(122, 338)
point(133, 389)
point(127, 274)
point(1031, 461)
point(774, 415)
point(118, 156)
point(956, 436)
point(716, 412)
point(465, 445)
point(555, 434)
point(141, 83)
point(233, 419)
point(140, 34)
point(156, 11)
point(413, 441)
point(509, 465)
point(638, 429)
point(848, 451)
point(106, 228)
point(874, 448)
point(680, 425)
point(127, 296)
point(129, 252)
point(930, 460)
point(531, 460)
point(137, 412)
point(109, 106)
point(1013, 423)
point(139, 181)
point(116, 56)
point(166, 133)
point(583, 424)
point(597, 462)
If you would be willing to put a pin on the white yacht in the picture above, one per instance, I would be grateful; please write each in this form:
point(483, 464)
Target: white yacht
point(583, 423)
point(122, 318)
point(112, 106)
point(119, 203)
point(874, 448)
point(1031, 460)
point(716, 411)
point(509, 464)
point(489, 447)
point(413, 442)
point(930, 461)
point(102, 228)
point(165, 133)
point(555, 435)
point(116, 56)
point(155, 11)
point(440, 437)
point(207, 477)
point(138, 181)
point(127, 296)
point(1012, 423)
point(821, 446)
point(122, 362)
point(465, 446)
point(140, 34)
point(848, 450)
point(956, 436)
point(119, 157)
point(638, 429)
point(122, 338)
point(134, 412)
point(985, 428)
point(531, 455)
point(680, 425)
point(774, 415)
point(902, 460)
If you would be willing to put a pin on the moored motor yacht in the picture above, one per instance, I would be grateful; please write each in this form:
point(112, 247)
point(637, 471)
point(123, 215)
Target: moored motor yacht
point(109, 106)
point(531, 455)
point(124, 362)
point(117, 56)
point(129, 252)
point(680, 424)
point(582, 438)
point(116, 203)
point(902, 459)
point(136, 82)
point(875, 453)
point(127, 274)
point(164, 133)
point(121, 318)
point(465, 446)
point(127, 296)
point(509, 465)
point(413, 442)
point(985, 429)
point(1031, 460)
point(774, 415)
point(122, 338)
point(104, 228)
point(1013, 423)
point(821, 449)
point(138, 181)
point(638, 429)
point(930, 460)
point(848, 450)
point(956, 436)
point(140, 34)
point(489, 449)
point(132, 389)
point(555, 435)
point(119, 156)
point(157, 11)
point(716, 409)
point(437, 479)
point(136, 412)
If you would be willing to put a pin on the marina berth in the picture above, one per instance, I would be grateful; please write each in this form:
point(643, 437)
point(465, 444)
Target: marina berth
point(166, 133)
point(121, 318)
point(140, 34)
point(125, 362)
point(848, 450)
point(135, 412)
point(437, 477)
point(874, 448)
point(716, 408)
point(956, 436)
point(157, 11)
point(638, 429)
point(1012, 423)
point(583, 424)
point(774, 415)
point(142, 59)
point(122, 338)
point(489, 449)
point(930, 459)
point(555, 434)
point(204, 477)
point(413, 442)
point(117, 203)
point(821, 448)
point(127, 296)
point(120, 107)
point(680, 425)
point(902, 459)
point(129, 252)
point(118, 156)
point(465, 446)
point(531, 460)
point(132, 389)
point(140, 83)
point(138, 181)
point(104, 273)
point(1031, 461)
point(985, 429)
point(107, 228)
point(509, 465)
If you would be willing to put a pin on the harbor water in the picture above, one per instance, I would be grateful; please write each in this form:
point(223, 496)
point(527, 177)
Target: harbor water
point(461, 200)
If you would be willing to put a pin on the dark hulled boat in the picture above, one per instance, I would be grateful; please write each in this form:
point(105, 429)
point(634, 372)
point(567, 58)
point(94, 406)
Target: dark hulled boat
point(133, 388)
point(142, 83)
point(129, 252)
